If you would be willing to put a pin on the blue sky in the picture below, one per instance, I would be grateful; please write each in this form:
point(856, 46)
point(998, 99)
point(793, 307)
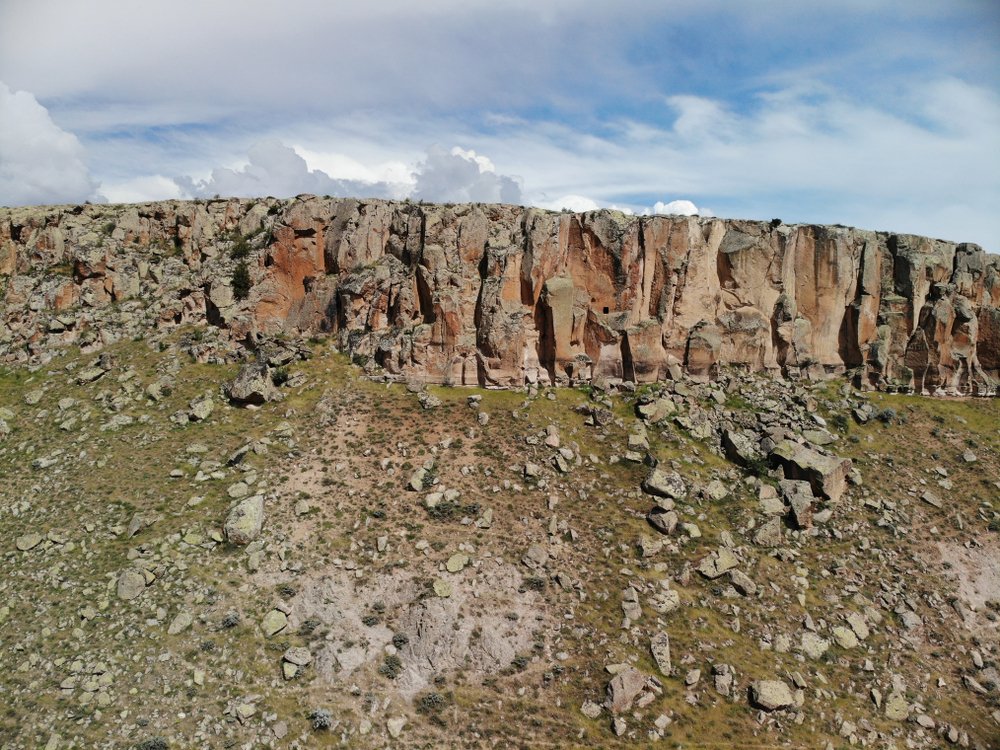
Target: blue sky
point(884, 115)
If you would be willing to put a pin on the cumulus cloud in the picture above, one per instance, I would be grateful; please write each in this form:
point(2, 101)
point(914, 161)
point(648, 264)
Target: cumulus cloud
point(460, 176)
point(39, 161)
point(575, 203)
point(139, 189)
point(680, 208)
point(275, 169)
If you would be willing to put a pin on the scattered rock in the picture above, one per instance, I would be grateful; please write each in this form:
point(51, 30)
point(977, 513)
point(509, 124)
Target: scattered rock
point(252, 385)
point(131, 583)
point(245, 520)
point(28, 541)
point(717, 563)
point(181, 622)
point(771, 695)
point(659, 645)
point(662, 483)
point(826, 474)
point(274, 622)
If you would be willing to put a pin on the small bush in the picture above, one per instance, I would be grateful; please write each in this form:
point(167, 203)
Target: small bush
point(240, 248)
point(534, 583)
point(321, 718)
point(887, 415)
point(240, 280)
point(400, 639)
point(231, 620)
point(392, 667)
point(280, 376)
point(370, 620)
point(432, 705)
point(153, 743)
point(448, 510)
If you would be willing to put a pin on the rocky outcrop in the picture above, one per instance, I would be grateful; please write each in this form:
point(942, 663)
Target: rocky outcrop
point(504, 295)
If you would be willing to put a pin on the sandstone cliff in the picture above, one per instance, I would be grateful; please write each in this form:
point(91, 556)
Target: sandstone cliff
point(503, 295)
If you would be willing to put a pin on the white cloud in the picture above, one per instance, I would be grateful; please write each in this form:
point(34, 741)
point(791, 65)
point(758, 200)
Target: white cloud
point(275, 169)
point(680, 208)
point(575, 203)
point(397, 173)
point(39, 161)
point(460, 176)
point(141, 189)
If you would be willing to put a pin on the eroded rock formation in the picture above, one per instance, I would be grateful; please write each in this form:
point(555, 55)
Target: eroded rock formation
point(503, 295)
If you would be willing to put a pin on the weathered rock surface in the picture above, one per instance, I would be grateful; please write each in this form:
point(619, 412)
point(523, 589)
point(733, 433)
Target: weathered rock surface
point(245, 520)
point(771, 695)
point(826, 474)
point(252, 385)
point(131, 583)
point(506, 295)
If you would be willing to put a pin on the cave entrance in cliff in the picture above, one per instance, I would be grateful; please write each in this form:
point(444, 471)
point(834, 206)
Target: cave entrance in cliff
point(628, 366)
point(607, 310)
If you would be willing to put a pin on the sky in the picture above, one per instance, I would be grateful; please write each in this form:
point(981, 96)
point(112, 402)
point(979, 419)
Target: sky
point(872, 113)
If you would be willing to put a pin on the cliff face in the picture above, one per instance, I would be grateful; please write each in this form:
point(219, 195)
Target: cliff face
point(503, 295)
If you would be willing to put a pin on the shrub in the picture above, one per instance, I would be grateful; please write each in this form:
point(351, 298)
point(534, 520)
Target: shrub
point(392, 667)
point(448, 510)
point(320, 718)
point(431, 703)
point(241, 280)
point(240, 248)
point(839, 422)
point(231, 620)
point(153, 743)
point(534, 583)
point(280, 376)
point(887, 415)
point(400, 639)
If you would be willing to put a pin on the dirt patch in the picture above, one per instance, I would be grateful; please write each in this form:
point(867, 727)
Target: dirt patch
point(480, 629)
point(976, 572)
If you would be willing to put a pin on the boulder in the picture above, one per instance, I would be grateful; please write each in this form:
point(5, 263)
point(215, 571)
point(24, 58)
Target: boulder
point(252, 385)
point(131, 583)
point(624, 688)
point(28, 541)
point(826, 474)
point(771, 695)
point(245, 520)
point(741, 447)
point(662, 519)
point(274, 622)
point(799, 496)
point(717, 563)
point(663, 483)
point(659, 646)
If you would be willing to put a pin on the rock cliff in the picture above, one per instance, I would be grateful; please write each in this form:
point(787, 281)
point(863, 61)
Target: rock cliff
point(503, 295)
